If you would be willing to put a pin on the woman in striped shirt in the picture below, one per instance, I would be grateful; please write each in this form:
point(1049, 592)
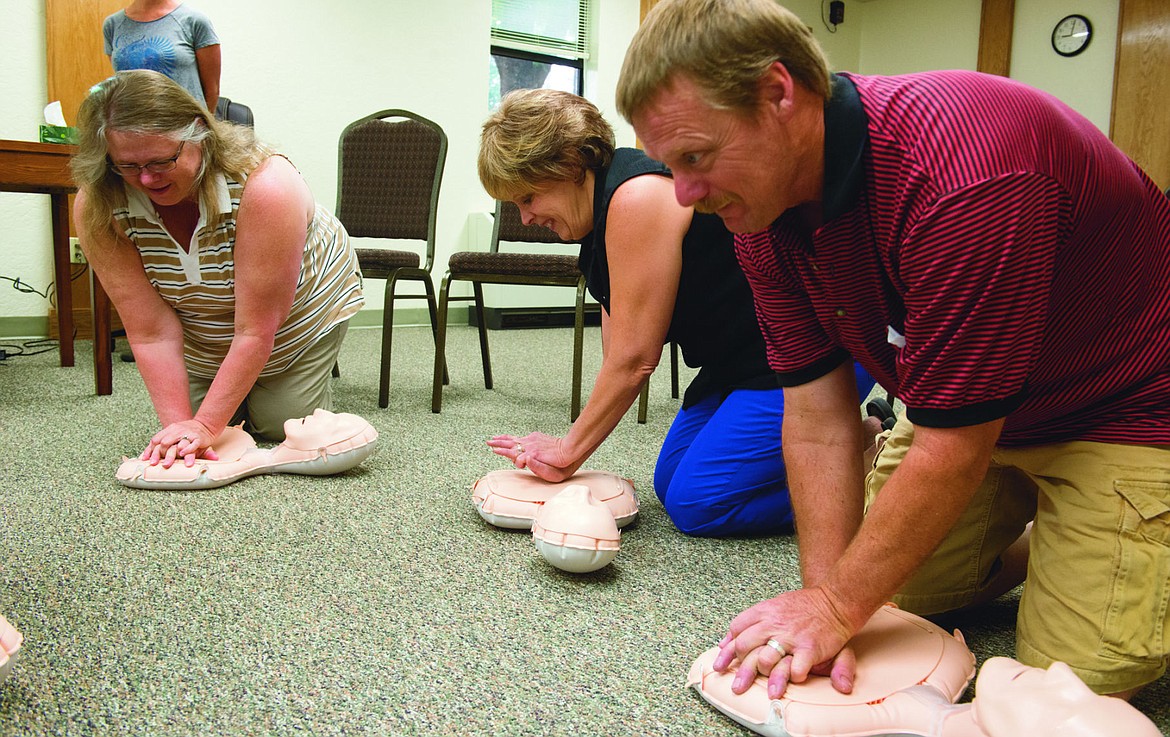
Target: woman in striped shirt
point(235, 287)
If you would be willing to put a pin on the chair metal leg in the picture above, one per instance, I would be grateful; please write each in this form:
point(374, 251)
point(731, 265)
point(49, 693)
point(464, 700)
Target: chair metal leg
point(578, 346)
point(440, 347)
point(673, 370)
point(484, 353)
point(387, 341)
point(430, 288)
point(643, 401)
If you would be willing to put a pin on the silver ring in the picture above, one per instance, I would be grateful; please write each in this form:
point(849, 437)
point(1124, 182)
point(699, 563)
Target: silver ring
point(519, 448)
point(184, 437)
point(775, 645)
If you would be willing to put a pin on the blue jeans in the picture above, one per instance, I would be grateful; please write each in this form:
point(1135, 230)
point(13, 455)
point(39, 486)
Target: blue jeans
point(721, 469)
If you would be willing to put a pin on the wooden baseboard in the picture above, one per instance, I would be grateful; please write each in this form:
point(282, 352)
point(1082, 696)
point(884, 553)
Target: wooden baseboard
point(82, 323)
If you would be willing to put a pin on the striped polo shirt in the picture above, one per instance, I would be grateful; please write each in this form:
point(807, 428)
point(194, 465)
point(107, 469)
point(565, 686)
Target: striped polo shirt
point(985, 252)
point(200, 284)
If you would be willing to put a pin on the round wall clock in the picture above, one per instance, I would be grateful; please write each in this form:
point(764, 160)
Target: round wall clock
point(1071, 35)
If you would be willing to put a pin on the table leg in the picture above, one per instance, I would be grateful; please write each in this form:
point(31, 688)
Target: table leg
point(102, 361)
point(61, 277)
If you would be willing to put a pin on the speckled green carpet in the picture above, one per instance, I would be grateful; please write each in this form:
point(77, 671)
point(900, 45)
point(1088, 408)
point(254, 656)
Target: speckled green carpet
point(375, 602)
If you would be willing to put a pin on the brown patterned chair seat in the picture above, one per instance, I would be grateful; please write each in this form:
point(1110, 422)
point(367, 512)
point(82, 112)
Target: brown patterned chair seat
point(515, 264)
point(377, 263)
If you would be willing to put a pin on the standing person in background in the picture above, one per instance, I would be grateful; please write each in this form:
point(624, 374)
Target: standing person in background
point(171, 38)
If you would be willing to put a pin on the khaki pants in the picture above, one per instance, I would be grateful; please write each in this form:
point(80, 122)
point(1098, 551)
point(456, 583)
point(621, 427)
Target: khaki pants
point(293, 393)
point(1098, 582)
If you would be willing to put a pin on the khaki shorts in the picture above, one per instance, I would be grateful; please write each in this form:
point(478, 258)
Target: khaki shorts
point(293, 393)
point(1099, 558)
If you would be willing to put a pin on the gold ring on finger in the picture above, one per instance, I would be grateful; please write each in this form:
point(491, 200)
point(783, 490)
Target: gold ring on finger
point(775, 645)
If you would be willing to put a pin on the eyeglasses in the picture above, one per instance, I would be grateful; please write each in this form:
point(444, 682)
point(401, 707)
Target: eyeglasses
point(161, 166)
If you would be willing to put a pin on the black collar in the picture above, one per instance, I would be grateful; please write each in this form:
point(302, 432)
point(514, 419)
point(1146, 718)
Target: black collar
point(846, 135)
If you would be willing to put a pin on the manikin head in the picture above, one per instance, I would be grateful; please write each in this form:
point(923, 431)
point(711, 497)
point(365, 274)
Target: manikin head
point(1012, 699)
point(320, 429)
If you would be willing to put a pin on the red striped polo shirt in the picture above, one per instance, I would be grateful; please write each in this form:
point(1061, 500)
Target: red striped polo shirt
point(986, 252)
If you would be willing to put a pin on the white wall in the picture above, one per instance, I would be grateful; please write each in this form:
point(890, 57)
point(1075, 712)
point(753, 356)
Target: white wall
point(900, 36)
point(1084, 81)
point(307, 68)
point(841, 44)
point(26, 245)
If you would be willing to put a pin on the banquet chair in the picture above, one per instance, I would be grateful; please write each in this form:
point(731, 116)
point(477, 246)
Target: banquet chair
point(234, 112)
point(498, 266)
point(389, 168)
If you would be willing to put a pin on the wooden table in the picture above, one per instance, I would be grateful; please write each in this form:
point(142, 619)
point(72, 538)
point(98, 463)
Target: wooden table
point(43, 168)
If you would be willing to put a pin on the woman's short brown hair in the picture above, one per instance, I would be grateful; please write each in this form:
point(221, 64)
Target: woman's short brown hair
point(541, 136)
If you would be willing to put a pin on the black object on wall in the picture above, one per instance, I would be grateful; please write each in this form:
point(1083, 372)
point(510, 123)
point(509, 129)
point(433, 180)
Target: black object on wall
point(837, 12)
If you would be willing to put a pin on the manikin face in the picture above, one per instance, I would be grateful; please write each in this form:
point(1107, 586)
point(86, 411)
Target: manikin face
point(564, 207)
point(1014, 699)
point(734, 164)
point(320, 429)
point(163, 188)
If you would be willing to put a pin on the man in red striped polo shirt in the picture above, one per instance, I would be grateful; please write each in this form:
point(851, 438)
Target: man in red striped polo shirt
point(991, 258)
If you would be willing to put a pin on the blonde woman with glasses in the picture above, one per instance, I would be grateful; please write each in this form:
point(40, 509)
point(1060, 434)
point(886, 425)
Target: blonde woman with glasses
point(235, 287)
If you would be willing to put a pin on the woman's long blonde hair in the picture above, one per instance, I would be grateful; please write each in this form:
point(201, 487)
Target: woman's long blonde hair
point(146, 102)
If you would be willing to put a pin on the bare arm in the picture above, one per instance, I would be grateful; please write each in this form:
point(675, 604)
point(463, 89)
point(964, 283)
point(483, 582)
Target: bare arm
point(644, 233)
point(152, 327)
point(207, 59)
point(274, 215)
point(918, 506)
point(851, 567)
point(822, 454)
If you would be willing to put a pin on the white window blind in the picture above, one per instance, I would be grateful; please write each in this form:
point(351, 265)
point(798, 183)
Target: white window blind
point(559, 27)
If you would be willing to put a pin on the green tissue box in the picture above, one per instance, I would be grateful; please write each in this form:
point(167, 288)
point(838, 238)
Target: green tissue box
point(58, 133)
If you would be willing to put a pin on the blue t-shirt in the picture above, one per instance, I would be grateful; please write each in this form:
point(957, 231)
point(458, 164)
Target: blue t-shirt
point(166, 45)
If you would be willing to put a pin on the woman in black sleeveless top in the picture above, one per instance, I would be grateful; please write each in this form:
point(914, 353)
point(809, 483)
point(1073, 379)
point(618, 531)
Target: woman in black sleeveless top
point(660, 272)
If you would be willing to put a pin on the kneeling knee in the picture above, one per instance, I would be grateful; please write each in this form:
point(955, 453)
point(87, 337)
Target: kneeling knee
point(690, 518)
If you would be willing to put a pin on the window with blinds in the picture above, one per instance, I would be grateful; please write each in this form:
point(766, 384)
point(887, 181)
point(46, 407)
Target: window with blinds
point(555, 27)
point(538, 44)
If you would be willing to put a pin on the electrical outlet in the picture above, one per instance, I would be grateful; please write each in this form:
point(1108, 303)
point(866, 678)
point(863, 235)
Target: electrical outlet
point(75, 254)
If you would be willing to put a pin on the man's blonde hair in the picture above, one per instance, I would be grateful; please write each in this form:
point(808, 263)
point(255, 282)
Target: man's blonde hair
point(146, 102)
point(724, 46)
point(537, 137)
